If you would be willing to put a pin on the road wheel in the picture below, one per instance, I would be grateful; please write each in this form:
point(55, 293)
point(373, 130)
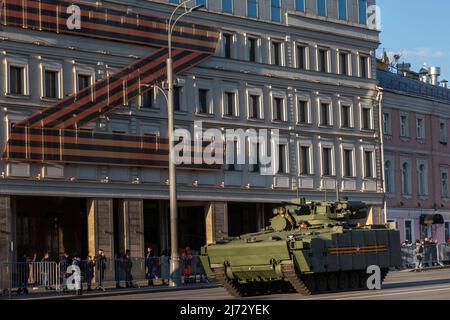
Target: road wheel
point(354, 280)
point(343, 281)
point(321, 282)
point(310, 283)
point(333, 282)
point(363, 280)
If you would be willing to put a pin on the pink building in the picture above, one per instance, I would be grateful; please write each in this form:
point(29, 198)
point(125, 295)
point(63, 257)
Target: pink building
point(416, 126)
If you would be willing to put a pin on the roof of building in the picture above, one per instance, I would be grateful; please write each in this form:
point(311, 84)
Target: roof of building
point(397, 82)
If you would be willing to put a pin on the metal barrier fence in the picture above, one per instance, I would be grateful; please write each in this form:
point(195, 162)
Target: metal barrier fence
point(21, 276)
point(125, 272)
point(433, 255)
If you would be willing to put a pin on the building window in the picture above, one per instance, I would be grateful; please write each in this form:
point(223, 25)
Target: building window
point(322, 8)
point(408, 231)
point(232, 150)
point(282, 159)
point(366, 119)
point(275, 10)
point(343, 63)
point(200, 2)
point(252, 45)
point(51, 89)
point(230, 104)
point(444, 185)
point(447, 232)
point(177, 90)
point(345, 117)
point(278, 109)
point(301, 57)
point(343, 9)
point(325, 114)
point(203, 101)
point(148, 99)
point(362, 11)
point(16, 80)
point(254, 163)
point(423, 181)
point(322, 61)
point(404, 128)
point(327, 169)
point(84, 81)
point(303, 112)
point(254, 107)
point(300, 5)
point(443, 132)
point(252, 8)
point(420, 126)
point(227, 6)
point(363, 66)
point(387, 123)
point(368, 164)
point(348, 163)
point(388, 176)
point(305, 160)
point(276, 53)
point(406, 179)
point(227, 43)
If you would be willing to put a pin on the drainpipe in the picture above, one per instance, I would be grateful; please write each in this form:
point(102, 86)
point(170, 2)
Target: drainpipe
point(380, 121)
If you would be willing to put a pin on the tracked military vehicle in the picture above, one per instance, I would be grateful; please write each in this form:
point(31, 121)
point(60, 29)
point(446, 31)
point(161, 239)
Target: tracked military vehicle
point(310, 248)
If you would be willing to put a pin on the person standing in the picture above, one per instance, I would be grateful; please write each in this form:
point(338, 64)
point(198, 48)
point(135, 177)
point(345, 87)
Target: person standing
point(89, 272)
point(165, 272)
point(118, 264)
point(46, 270)
point(128, 266)
point(100, 264)
point(151, 265)
point(64, 263)
point(76, 273)
point(418, 254)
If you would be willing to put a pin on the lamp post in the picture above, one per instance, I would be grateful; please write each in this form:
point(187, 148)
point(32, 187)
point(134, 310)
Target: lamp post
point(175, 278)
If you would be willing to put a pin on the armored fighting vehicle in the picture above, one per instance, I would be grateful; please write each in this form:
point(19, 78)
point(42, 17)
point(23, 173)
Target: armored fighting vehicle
point(309, 248)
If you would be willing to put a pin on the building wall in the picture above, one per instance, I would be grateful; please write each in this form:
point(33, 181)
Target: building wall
point(418, 147)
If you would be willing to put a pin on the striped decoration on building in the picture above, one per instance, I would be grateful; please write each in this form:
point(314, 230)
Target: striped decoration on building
point(55, 139)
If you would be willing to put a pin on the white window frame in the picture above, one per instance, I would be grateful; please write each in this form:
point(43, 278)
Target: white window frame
point(282, 95)
point(285, 143)
point(349, 62)
point(85, 71)
point(254, 91)
point(282, 52)
point(307, 57)
point(388, 127)
point(407, 131)
point(329, 145)
point(21, 62)
point(373, 174)
point(258, 56)
point(304, 98)
point(361, 55)
point(307, 144)
point(350, 147)
point(233, 44)
point(204, 84)
point(349, 104)
point(328, 56)
point(231, 87)
point(391, 181)
point(181, 82)
point(407, 193)
point(329, 101)
point(55, 67)
point(421, 162)
point(420, 117)
point(361, 119)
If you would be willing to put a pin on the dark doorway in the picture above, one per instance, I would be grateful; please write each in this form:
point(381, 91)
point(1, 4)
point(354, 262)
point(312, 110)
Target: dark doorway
point(191, 227)
point(152, 233)
point(51, 224)
point(242, 219)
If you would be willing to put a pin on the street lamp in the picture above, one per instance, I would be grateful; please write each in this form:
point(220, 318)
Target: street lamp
point(175, 278)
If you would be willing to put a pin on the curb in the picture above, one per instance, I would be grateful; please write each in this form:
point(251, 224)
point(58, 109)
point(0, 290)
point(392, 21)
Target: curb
point(118, 292)
point(431, 268)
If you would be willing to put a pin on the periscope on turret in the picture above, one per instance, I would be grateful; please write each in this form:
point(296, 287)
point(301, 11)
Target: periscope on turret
point(309, 248)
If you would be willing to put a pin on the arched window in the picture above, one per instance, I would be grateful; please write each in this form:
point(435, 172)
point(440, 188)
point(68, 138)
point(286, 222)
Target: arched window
point(423, 183)
point(406, 181)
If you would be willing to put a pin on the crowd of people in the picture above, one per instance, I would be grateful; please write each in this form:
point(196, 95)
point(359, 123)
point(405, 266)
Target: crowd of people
point(420, 253)
point(74, 272)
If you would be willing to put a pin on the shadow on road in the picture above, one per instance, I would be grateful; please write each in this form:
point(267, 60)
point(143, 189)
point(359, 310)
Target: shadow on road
point(416, 284)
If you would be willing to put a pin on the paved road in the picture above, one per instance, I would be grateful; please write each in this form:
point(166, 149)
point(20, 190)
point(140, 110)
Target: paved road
point(429, 285)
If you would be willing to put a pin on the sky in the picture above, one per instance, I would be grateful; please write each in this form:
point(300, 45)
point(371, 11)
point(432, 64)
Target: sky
point(419, 30)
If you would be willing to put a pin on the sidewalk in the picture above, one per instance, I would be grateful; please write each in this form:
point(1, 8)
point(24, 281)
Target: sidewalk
point(110, 291)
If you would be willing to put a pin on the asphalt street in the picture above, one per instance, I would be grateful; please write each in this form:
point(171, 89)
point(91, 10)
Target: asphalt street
point(427, 285)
